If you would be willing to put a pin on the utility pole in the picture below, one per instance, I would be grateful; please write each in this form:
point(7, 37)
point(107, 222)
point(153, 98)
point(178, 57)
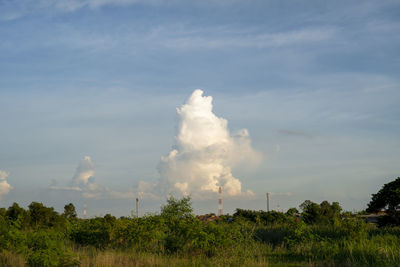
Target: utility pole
point(219, 201)
point(267, 201)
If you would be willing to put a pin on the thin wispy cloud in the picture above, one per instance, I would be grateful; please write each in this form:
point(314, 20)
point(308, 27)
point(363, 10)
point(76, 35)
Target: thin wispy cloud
point(65, 188)
point(11, 10)
point(294, 133)
point(280, 193)
point(261, 40)
point(181, 38)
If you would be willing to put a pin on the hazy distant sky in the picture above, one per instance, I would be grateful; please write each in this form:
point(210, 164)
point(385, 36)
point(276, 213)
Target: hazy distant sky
point(315, 83)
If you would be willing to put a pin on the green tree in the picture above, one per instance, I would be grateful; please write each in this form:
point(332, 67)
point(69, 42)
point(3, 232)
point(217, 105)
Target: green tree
point(42, 216)
point(292, 211)
point(263, 217)
point(311, 212)
point(388, 199)
point(303, 206)
point(177, 208)
point(47, 248)
point(320, 214)
point(181, 224)
point(20, 217)
point(94, 231)
point(336, 208)
point(69, 211)
point(329, 212)
point(3, 212)
point(15, 211)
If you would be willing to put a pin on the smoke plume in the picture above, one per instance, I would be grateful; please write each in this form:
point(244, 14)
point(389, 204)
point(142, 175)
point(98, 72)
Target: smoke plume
point(5, 187)
point(204, 152)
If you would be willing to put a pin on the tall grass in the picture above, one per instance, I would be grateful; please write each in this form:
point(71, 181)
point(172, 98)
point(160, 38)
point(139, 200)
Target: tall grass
point(279, 245)
point(322, 247)
point(173, 239)
point(371, 250)
point(8, 259)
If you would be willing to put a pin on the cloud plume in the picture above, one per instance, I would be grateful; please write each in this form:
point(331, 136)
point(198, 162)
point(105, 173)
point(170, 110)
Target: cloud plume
point(84, 172)
point(5, 187)
point(83, 182)
point(3, 174)
point(204, 153)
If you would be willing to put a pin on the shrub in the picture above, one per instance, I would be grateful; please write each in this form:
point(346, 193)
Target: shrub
point(94, 232)
point(46, 248)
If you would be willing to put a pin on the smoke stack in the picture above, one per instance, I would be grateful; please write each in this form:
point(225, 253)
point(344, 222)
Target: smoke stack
point(137, 207)
point(268, 202)
point(84, 210)
point(219, 201)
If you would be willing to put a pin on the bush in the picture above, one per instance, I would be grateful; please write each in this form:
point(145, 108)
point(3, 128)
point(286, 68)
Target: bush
point(263, 217)
point(46, 248)
point(94, 232)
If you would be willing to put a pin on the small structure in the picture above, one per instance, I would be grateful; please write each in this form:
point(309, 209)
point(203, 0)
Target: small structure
point(208, 217)
point(373, 217)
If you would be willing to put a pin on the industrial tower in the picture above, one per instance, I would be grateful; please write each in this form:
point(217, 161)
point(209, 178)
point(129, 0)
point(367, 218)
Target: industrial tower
point(219, 201)
point(84, 210)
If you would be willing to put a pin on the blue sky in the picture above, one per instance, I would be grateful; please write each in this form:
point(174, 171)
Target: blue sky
point(316, 83)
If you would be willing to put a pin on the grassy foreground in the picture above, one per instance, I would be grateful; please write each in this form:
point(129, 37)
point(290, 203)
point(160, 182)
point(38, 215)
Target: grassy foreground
point(271, 246)
point(175, 237)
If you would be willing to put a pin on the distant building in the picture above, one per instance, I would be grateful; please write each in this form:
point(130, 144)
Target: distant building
point(208, 217)
point(373, 218)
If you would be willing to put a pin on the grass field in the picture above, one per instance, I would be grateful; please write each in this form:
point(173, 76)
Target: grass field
point(322, 246)
point(176, 237)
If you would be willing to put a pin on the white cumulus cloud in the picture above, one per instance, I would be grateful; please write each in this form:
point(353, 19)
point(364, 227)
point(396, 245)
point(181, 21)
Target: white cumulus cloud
point(83, 182)
point(84, 172)
point(3, 174)
point(204, 153)
point(5, 187)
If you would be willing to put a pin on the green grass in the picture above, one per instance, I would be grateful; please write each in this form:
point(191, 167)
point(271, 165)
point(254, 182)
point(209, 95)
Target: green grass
point(380, 247)
point(309, 246)
point(176, 240)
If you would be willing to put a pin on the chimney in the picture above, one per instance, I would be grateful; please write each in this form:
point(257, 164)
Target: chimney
point(84, 210)
point(219, 201)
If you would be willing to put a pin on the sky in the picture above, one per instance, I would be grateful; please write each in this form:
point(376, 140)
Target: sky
point(103, 101)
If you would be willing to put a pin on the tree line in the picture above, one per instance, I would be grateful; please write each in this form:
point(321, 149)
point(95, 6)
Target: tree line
point(45, 237)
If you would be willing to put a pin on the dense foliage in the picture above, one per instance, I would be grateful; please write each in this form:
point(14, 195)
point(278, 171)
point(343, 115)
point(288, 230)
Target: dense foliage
point(388, 199)
point(39, 236)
